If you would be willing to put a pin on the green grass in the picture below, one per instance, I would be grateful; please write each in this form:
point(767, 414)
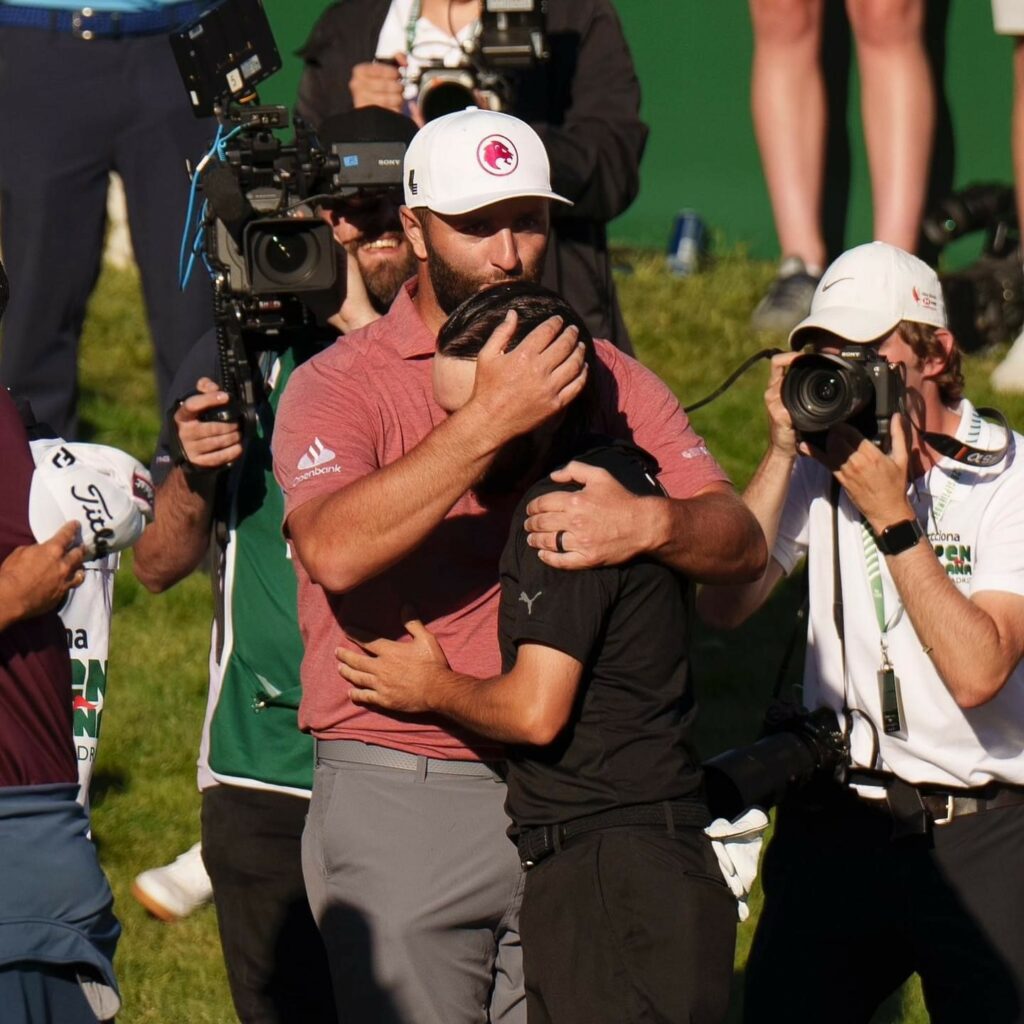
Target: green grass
point(693, 332)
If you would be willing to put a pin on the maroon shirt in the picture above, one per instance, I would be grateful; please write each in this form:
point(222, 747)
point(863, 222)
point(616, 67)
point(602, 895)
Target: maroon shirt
point(35, 671)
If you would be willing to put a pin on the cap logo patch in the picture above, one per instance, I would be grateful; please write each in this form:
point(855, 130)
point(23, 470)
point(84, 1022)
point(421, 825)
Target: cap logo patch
point(497, 155)
point(925, 299)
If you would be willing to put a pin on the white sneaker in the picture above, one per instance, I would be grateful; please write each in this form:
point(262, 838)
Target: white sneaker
point(1009, 374)
point(175, 890)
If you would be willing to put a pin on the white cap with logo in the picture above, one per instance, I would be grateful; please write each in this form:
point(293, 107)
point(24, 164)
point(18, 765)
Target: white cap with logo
point(868, 290)
point(472, 158)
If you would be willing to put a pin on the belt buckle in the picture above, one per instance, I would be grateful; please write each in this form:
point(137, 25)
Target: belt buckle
point(949, 811)
point(80, 23)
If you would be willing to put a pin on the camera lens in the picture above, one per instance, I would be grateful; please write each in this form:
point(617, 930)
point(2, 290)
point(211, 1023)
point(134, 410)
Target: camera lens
point(286, 254)
point(825, 389)
point(820, 391)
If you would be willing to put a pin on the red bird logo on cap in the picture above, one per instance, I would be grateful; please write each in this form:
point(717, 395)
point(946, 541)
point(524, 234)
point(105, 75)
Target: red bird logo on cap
point(917, 297)
point(497, 155)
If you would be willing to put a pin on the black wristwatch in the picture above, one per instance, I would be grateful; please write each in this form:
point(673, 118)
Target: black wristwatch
point(899, 537)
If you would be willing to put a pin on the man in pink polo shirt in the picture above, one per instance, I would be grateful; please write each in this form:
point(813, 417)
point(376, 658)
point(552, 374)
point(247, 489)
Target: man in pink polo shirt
point(410, 877)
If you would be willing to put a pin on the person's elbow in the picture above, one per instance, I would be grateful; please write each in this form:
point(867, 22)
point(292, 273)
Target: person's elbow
point(542, 718)
point(980, 686)
point(152, 567)
point(328, 564)
point(744, 556)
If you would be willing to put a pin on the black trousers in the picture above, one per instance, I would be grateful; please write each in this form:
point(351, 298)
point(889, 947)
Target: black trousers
point(276, 963)
point(71, 111)
point(628, 925)
point(850, 914)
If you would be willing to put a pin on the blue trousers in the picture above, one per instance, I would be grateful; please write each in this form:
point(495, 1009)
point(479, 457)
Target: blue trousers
point(71, 111)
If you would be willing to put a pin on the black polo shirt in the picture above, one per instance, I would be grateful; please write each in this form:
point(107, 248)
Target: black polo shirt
point(628, 737)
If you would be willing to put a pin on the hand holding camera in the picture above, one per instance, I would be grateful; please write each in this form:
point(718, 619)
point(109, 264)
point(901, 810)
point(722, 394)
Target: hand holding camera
point(207, 442)
point(379, 84)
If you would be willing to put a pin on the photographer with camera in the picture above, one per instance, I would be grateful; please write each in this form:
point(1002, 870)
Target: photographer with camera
point(583, 101)
point(214, 479)
point(910, 509)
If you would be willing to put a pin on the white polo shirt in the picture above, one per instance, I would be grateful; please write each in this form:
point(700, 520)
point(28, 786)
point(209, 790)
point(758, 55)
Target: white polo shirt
point(974, 519)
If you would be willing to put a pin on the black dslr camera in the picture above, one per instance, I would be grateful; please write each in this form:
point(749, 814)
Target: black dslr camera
point(985, 301)
point(272, 271)
point(858, 387)
point(512, 36)
point(798, 746)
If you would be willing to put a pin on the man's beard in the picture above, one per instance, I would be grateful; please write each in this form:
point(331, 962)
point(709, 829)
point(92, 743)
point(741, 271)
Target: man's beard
point(384, 277)
point(452, 287)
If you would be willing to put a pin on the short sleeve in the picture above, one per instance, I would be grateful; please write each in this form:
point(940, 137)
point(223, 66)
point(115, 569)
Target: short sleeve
point(999, 559)
point(636, 405)
point(791, 541)
point(557, 608)
point(327, 432)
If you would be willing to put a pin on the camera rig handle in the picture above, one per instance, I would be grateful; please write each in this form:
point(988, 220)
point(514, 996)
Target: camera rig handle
point(236, 374)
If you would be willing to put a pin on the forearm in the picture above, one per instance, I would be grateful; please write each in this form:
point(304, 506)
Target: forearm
point(176, 541)
point(971, 654)
point(352, 535)
point(710, 538)
point(496, 708)
point(765, 498)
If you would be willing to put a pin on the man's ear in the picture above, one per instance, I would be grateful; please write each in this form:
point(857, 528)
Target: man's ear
point(934, 365)
point(413, 228)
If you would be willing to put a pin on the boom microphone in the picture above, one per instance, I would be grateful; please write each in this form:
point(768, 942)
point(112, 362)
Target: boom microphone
point(226, 199)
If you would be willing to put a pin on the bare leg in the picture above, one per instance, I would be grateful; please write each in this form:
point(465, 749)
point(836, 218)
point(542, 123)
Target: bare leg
point(788, 105)
point(1009, 374)
point(898, 111)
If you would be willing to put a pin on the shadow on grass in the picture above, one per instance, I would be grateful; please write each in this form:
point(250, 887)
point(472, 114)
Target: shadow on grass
point(106, 781)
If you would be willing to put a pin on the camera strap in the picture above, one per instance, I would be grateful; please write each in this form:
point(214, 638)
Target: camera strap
point(961, 451)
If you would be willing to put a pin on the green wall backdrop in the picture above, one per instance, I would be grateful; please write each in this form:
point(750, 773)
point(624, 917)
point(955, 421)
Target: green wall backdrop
point(693, 60)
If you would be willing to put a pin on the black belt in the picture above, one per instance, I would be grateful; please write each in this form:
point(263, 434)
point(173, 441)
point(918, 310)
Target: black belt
point(911, 805)
point(88, 23)
point(534, 844)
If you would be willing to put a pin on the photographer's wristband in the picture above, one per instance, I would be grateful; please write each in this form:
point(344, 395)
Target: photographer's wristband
point(179, 457)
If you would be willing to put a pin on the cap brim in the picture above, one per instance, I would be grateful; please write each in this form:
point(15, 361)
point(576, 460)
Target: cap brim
point(850, 323)
point(467, 204)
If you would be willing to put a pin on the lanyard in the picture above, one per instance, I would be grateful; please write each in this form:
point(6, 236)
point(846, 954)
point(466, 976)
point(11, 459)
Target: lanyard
point(410, 25)
point(872, 561)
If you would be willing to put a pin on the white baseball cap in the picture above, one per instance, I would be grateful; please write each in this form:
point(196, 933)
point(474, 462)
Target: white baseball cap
point(868, 290)
point(472, 158)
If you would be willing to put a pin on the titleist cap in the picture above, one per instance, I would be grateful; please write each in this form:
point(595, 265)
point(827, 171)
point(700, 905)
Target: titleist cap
point(472, 158)
point(868, 290)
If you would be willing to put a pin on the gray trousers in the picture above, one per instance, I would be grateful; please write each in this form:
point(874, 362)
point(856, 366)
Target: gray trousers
point(416, 890)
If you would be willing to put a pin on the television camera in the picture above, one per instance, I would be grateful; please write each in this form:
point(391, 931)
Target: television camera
point(273, 263)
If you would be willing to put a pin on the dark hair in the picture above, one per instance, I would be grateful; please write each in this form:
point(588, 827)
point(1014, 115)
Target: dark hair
point(471, 324)
point(921, 339)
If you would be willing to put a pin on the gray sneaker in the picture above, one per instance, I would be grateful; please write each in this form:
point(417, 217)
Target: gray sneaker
point(788, 300)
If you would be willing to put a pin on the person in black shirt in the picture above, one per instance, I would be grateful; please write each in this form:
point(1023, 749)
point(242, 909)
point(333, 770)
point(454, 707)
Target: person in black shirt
point(625, 913)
